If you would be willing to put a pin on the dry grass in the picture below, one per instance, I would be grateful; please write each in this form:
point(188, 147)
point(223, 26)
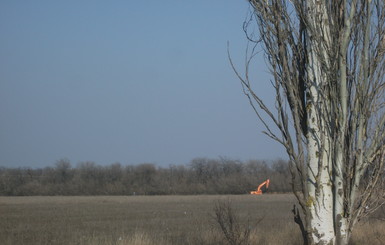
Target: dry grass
point(149, 220)
point(370, 232)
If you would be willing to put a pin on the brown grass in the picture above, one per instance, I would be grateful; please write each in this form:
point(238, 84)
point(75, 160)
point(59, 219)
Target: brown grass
point(150, 220)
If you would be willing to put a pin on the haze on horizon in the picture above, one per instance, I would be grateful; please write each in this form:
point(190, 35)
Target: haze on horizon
point(126, 81)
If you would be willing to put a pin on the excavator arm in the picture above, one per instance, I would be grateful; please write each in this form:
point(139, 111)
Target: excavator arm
point(259, 190)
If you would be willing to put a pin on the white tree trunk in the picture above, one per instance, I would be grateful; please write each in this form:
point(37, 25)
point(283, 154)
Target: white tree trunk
point(320, 200)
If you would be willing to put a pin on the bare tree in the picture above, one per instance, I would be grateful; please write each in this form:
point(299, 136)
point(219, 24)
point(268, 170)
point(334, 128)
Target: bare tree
point(327, 63)
point(234, 232)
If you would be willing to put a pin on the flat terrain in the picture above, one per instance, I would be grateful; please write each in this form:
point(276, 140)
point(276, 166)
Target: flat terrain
point(143, 220)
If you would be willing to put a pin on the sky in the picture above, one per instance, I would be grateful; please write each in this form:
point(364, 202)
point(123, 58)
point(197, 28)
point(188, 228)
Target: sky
point(127, 81)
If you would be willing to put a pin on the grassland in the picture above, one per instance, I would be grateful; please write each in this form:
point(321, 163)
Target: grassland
point(147, 220)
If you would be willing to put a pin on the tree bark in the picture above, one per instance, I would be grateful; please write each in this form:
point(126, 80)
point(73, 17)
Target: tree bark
point(320, 196)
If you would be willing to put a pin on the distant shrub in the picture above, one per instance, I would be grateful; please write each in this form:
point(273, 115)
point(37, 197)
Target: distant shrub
point(201, 176)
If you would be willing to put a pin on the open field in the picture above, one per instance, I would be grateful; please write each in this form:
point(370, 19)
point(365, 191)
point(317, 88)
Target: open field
point(145, 220)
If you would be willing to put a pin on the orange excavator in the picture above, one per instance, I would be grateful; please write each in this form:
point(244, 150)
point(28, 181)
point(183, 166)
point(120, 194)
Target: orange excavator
point(259, 191)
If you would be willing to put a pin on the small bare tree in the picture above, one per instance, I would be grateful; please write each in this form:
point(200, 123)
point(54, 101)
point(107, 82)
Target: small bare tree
point(234, 232)
point(327, 62)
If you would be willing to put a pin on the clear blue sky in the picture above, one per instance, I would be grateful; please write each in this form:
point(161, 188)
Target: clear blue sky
point(126, 81)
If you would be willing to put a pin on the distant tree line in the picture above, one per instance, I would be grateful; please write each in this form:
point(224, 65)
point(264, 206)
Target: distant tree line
point(201, 176)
